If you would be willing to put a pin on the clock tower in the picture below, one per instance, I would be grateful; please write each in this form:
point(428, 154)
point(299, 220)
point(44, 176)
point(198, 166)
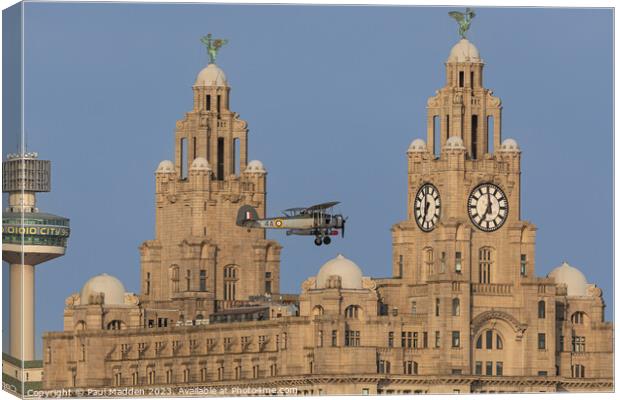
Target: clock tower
point(464, 188)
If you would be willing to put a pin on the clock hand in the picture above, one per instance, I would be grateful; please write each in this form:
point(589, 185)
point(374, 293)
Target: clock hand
point(426, 206)
point(488, 210)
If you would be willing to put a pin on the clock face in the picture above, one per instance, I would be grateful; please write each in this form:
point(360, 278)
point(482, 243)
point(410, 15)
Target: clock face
point(427, 207)
point(487, 207)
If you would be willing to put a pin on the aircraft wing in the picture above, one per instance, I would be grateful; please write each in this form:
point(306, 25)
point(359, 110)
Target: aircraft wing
point(322, 206)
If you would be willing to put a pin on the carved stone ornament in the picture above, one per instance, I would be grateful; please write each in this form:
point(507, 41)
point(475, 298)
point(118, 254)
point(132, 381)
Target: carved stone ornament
point(309, 283)
point(73, 300)
point(484, 317)
point(132, 299)
point(433, 101)
point(368, 283)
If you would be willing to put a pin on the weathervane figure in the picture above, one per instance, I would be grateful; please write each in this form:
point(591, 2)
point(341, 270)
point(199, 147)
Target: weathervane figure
point(213, 46)
point(463, 19)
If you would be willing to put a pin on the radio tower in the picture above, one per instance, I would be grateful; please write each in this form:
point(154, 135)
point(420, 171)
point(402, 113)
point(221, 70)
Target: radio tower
point(29, 238)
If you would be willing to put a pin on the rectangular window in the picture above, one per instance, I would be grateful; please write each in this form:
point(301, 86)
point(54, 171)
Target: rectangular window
point(499, 368)
point(542, 373)
point(400, 266)
point(148, 283)
point(414, 308)
point(541, 341)
point(436, 135)
point(415, 340)
point(447, 126)
point(203, 280)
point(523, 264)
point(579, 344)
point(457, 372)
point(489, 339)
point(484, 273)
point(208, 103)
point(219, 105)
point(183, 157)
point(352, 338)
point(334, 338)
point(195, 149)
point(489, 368)
point(474, 136)
point(236, 157)
point(437, 303)
point(267, 282)
point(471, 79)
point(461, 78)
point(220, 159)
point(425, 339)
point(458, 267)
point(437, 339)
point(456, 339)
point(391, 339)
point(478, 370)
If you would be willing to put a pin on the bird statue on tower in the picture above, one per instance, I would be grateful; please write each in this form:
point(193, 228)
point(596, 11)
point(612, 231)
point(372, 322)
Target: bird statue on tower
point(463, 19)
point(213, 46)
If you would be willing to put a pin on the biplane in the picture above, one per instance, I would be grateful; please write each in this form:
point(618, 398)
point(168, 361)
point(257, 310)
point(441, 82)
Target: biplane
point(318, 221)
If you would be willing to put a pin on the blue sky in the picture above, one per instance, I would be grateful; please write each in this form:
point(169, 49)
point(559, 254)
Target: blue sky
point(333, 96)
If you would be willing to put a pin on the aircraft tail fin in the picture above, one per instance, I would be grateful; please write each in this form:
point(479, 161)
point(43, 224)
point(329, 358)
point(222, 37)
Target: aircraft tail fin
point(247, 216)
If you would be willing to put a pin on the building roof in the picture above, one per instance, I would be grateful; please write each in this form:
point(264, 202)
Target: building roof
point(112, 288)
point(212, 75)
point(350, 274)
point(575, 280)
point(464, 51)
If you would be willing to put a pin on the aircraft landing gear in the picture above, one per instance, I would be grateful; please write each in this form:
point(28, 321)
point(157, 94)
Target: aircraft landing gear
point(327, 240)
point(318, 241)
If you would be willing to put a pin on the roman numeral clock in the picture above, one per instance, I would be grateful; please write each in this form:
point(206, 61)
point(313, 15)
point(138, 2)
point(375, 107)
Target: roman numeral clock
point(427, 207)
point(487, 207)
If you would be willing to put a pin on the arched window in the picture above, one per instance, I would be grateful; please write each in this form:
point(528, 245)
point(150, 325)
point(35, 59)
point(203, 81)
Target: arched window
point(578, 317)
point(230, 282)
point(174, 279)
point(352, 311)
point(317, 310)
point(115, 324)
point(486, 339)
point(80, 326)
point(541, 309)
point(456, 307)
point(485, 264)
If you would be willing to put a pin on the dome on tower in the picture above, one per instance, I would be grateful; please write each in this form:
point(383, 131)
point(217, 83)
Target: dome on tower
point(200, 164)
point(256, 167)
point(509, 145)
point(212, 75)
point(464, 51)
point(112, 289)
point(350, 274)
point(418, 145)
point(165, 167)
point(575, 280)
point(454, 142)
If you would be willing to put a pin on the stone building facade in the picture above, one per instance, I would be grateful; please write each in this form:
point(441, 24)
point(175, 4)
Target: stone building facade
point(463, 312)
